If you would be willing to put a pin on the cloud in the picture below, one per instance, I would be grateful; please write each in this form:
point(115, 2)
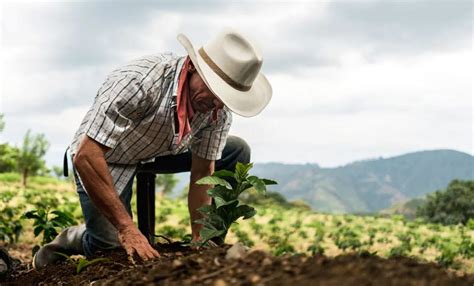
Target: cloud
point(338, 115)
point(372, 29)
point(351, 80)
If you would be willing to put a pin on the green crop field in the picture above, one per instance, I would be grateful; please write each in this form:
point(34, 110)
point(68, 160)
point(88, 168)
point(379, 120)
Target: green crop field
point(278, 229)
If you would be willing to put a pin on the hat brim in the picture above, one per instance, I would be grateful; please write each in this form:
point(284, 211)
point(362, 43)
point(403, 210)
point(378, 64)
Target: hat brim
point(245, 103)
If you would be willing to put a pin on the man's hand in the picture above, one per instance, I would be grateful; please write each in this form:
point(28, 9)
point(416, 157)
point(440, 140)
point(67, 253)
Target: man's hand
point(93, 169)
point(133, 241)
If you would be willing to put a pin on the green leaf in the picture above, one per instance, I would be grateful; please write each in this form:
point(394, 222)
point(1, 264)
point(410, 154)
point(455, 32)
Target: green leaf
point(241, 211)
point(269, 182)
point(211, 180)
point(83, 263)
point(258, 184)
point(220, 202)
point(207, 233)
point(223, 173)
point(64, 255)
point(207, 209)
point(37, 230)
point(241, 171)
point(222, 192)
point(31, 214)
point(204, 222)
point(213, 221)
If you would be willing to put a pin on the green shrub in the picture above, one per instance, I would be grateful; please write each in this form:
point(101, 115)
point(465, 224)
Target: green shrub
point(451, 206)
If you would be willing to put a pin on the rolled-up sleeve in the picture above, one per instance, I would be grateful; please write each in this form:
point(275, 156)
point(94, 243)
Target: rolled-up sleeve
point(210, 141)
point(119, 103)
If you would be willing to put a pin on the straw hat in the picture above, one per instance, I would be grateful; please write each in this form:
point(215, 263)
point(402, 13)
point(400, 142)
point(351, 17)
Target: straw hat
point(230, 66)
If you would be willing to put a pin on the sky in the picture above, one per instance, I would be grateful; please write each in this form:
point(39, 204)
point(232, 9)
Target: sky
point(351, 80)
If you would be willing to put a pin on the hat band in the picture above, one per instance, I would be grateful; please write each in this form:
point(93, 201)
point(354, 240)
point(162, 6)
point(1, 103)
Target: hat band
point(221, 73)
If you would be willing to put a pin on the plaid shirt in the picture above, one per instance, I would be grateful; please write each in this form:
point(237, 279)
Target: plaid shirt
point(134, 113)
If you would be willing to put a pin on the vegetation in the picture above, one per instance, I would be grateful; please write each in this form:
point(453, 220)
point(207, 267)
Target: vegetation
point(451, 206)
point(275, 228)
point(48, 223)
point(31, 153)
point(28, 159)
point(226, 208)
point(165, 183)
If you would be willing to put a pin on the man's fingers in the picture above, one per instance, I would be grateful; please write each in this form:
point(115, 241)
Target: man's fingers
point(155, 252)
point(152, 252)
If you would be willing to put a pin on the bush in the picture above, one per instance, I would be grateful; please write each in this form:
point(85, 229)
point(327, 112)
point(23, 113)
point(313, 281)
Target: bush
point(451, 206)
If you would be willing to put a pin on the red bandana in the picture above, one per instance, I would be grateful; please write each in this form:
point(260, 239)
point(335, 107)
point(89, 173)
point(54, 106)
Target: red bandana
point(184, 107)
point(185, 110)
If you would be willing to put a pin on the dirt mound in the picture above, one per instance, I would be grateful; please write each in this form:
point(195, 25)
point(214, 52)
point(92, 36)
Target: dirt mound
point(182, 266)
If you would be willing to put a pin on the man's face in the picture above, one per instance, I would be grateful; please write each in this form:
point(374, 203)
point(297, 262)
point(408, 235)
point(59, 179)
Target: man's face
point(202, 99)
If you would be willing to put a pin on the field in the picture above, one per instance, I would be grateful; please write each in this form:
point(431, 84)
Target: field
point(292, 238)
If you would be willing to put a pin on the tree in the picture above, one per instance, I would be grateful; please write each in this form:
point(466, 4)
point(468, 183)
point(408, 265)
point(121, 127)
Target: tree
point(30, 159)
point(8, 158)
point(57, 171)
point(8, 154)
point(451, 206)
point(166, 183)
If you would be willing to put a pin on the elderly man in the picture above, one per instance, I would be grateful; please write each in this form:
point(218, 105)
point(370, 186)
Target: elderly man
point(171, 110)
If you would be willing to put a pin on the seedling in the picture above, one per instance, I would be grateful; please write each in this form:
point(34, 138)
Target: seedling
point(81, 263)
point(47, 225)
point(226, 209)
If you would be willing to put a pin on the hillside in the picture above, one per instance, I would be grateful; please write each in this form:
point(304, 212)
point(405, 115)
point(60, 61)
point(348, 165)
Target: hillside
point(370, 185)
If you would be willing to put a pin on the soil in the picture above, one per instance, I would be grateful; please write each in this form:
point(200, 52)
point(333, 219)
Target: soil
point(180, 265)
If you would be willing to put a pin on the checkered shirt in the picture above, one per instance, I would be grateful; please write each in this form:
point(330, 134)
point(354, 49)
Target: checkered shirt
point(134, 113)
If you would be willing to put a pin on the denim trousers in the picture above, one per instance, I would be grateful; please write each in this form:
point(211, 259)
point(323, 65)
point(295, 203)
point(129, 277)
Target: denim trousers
point(100, 234)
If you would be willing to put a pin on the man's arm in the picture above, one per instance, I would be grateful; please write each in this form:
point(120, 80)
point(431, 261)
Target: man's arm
point(197, 195)
point(90, 163)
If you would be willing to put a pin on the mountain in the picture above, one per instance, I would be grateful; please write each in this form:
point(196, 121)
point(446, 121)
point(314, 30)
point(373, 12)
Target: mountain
point(369, 185)
point(366, 186)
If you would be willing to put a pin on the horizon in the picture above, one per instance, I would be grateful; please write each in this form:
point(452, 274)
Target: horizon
point(350, 80)
point(366, 159)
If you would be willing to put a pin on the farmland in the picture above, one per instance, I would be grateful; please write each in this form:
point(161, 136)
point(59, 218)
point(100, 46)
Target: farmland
point(277, 229)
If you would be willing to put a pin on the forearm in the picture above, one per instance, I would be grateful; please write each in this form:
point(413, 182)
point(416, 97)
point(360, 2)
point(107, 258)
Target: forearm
point(98, 182)
point(197, 197)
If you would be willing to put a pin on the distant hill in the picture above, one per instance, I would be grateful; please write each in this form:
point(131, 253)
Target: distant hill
point(369, 185)
point(366, 186)
point(407, 209)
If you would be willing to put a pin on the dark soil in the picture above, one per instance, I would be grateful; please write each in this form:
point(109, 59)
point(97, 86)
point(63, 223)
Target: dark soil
point(183, 266)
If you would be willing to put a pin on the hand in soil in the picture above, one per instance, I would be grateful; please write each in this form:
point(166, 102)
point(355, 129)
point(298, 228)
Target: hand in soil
point(133, 241)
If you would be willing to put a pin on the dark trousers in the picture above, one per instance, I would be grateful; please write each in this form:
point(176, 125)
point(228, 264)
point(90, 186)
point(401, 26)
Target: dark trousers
point(235, 150)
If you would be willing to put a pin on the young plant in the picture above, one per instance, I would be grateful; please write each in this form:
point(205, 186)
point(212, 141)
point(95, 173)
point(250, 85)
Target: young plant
point(82, 263)
point(49, 226)
point(226, 209)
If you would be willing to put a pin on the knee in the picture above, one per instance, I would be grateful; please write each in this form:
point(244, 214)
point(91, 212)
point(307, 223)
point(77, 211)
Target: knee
point(241, 149)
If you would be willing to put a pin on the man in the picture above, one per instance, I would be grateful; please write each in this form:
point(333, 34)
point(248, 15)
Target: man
point(169, 110)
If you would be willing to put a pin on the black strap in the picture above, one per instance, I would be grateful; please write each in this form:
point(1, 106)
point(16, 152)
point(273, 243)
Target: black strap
point(65, 166)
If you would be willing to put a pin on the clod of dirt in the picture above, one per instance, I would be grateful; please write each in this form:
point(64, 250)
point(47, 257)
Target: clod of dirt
point(237, 251)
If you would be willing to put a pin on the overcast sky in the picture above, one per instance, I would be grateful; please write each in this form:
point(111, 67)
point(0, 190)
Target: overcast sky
point(351, 80)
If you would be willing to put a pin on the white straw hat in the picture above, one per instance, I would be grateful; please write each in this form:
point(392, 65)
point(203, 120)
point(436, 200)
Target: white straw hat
point(230, 66)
